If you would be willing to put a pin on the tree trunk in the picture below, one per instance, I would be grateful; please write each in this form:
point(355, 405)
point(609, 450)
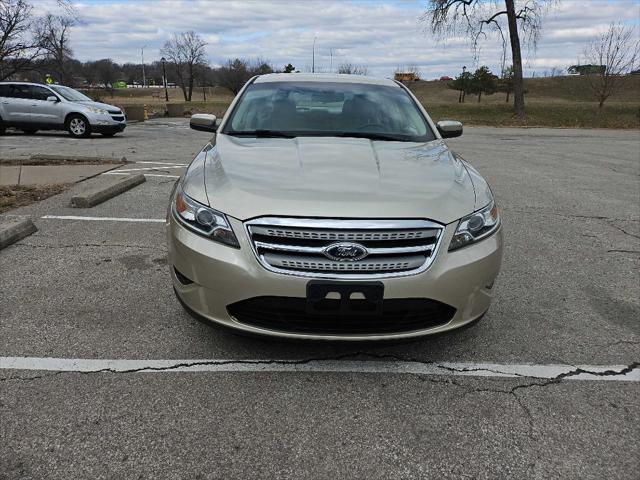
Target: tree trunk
point(479, 96)
point(516, 56)
point(507, 100)
point(601, 102)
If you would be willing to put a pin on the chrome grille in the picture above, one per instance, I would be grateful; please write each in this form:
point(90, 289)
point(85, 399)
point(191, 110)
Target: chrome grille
point(298, 246)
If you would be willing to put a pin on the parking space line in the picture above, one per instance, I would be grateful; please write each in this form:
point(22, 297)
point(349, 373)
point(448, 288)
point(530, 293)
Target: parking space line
point(163, 163)
point(142, 169)
point(103, 219)
point(145, 174)
point(626, 373)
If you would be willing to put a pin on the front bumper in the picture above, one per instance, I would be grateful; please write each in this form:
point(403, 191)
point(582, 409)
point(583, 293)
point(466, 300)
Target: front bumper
point(223, 276)
point(109, 128)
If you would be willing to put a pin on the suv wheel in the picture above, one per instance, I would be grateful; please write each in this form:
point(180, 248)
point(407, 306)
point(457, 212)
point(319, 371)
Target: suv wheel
point(78, 126)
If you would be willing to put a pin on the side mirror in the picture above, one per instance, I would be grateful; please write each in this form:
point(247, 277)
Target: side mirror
point(52, 99)
point(449, 128)
point(203, 122)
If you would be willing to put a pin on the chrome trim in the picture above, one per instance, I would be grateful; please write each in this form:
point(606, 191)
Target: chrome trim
point(346, 224)
point(320, 250)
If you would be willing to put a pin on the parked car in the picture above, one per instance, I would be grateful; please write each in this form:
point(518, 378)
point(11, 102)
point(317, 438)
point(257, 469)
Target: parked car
point(329, 207)
point(31, 107)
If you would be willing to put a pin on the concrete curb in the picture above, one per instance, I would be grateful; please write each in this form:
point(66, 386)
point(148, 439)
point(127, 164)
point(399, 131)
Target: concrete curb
point(94, 195)
point(78, 158)
point(62, 160)
point(15, 229)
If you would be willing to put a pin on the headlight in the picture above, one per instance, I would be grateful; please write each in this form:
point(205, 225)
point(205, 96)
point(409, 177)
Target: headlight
point(97, 110)
point(202, 219)
point(476, 226)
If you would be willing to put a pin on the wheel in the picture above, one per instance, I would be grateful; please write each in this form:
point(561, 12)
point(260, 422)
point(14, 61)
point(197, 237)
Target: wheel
point(78, 126)
point(110, 134)
point(29, 131)
point(2, 127)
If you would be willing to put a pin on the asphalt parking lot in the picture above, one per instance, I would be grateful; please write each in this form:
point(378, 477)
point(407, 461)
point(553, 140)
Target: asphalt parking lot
point(97, 287)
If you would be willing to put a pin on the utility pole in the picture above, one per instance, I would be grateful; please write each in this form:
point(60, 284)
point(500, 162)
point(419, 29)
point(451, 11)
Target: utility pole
point(164, 79)
point(313, 56)
point(144, 78)
point(331, 60)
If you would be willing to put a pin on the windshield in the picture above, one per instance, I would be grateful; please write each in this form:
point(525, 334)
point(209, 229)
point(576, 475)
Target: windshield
point(291, 109)
point(70, 94)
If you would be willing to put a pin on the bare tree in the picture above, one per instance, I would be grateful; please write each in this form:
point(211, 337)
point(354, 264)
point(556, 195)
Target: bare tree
point(476, 18)
point(235, 73)
point(53, 35)
point(351, 69)
point(616, 51)
point(17, 51)
point(186, 54)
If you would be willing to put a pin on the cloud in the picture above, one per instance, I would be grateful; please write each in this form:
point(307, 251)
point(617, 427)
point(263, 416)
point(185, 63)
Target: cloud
point(379, 34)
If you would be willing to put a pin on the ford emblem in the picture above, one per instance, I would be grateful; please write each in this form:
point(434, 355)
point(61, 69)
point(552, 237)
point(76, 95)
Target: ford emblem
point(345, 252)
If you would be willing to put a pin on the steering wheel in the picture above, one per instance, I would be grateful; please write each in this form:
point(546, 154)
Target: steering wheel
point(369, 125)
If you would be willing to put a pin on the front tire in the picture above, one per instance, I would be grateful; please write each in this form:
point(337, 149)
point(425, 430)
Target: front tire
point(78, 126)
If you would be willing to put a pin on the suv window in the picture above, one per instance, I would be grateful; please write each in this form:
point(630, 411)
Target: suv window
point(18, 91)
point(5, 90)
point(38, 93)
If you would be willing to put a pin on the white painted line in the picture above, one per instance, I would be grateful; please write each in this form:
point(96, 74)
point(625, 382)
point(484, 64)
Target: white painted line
point(103, 219)
point(142, 169)
point(564, 372)
point(164, 163)
point(145, 174)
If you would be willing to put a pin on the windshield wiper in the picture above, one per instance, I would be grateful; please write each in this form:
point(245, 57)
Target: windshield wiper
point(374, 136)
point(261, 133)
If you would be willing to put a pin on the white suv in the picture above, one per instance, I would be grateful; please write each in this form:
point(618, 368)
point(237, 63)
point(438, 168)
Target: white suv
point(31, 107)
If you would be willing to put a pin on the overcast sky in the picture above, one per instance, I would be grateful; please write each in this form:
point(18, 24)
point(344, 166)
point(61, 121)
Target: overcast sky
point(381, 34)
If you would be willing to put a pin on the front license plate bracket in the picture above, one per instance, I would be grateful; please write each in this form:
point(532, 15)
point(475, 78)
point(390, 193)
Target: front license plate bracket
point(353, 298)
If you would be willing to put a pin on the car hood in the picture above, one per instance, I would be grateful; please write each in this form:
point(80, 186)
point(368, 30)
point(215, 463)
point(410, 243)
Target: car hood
point(336, 177)
point(104, 106)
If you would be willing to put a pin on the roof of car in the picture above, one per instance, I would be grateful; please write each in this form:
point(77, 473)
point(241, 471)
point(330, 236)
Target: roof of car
point(25, 83)
point(324, 77)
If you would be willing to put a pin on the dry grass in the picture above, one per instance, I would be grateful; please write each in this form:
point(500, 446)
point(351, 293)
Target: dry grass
point(18, 196)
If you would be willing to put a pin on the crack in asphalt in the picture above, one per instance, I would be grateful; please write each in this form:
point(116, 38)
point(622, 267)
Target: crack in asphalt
point(86, 245)
point(623, 230)
point(574, 215)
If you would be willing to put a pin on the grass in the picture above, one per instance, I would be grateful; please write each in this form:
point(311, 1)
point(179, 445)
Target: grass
point(550, 102)
point(15, 196)
point(540, 114)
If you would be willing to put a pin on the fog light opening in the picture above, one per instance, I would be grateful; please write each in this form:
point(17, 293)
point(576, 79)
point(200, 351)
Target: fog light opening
point(181, 278)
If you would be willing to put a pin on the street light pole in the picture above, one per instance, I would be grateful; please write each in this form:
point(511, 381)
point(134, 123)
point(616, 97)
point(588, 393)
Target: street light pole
point(461, 97)
point(164, 78)
point(144, 78)
point(313, 56)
